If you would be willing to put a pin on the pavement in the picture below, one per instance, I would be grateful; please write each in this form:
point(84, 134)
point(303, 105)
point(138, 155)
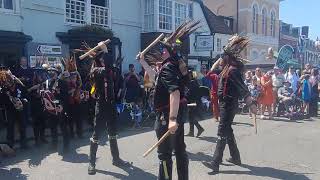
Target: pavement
point(282, 149)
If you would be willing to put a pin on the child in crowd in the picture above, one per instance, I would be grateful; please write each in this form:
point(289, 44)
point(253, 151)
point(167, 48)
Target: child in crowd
point(305, 92)
point(255, 90)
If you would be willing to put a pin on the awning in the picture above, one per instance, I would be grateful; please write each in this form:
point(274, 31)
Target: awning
point(12, 37)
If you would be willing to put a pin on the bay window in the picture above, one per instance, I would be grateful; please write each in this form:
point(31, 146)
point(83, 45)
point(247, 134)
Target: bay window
point(6, 4)
point(88, 12)
point(180, 14)
point(165, 15)
point(149, 15)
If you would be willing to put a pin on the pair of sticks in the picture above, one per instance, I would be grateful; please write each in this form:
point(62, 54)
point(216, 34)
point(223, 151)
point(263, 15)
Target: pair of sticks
point(167, 134)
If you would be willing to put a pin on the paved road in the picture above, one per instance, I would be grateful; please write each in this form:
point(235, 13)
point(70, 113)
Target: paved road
point(282, 149)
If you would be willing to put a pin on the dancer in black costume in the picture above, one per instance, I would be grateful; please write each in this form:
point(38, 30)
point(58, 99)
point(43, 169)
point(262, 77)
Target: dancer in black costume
point(231, 88)
point(104, 77)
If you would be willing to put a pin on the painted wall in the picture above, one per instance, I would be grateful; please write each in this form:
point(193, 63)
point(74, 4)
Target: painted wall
point(10, 20)
point(42, 19)
point(224, 41)
point(204, 30)
point(127, 25)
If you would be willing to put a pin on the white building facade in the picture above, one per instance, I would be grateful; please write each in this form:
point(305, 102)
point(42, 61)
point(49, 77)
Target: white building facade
point(40, 22)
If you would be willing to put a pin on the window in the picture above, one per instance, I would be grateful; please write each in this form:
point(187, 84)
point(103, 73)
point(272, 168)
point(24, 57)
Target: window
point(227, 22)
point(255, 17)
point(165, 14)
point(264, 22)
point(273, 24)
point(149, 15)
point(190, 11)
point(99, 2)
point(80, 12)
point(219, 47)
point(180, 14)
point(6, 4)
point(100, 14)
point(172, 14)
point(75, 11)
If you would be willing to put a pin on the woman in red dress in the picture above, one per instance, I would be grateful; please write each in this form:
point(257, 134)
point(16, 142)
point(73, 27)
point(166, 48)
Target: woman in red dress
point(266, 98)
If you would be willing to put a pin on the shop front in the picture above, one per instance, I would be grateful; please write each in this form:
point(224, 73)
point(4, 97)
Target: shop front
point(12, 47)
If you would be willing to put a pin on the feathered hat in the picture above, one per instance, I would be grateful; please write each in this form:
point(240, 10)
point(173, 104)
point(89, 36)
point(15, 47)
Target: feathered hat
point(173, 42)
point(235, 46)
point(7, 79)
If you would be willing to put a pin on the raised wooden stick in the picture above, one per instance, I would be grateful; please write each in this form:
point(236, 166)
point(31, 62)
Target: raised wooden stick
point(164, 137)
point(255, 123)
point(150, 45)
point(101, 45)
point(192, 104)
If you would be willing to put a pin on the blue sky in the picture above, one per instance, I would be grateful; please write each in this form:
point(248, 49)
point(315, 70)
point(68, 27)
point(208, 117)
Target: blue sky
point(302, 13)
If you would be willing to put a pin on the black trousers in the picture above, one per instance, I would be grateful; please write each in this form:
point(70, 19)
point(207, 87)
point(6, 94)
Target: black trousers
point(14, 117)
point(194, 115)
point(75, 119)
point(60, 120)
point(105, 119)
point(39, 125)
point(313, 107)
point(228, 108)
point(174, 143)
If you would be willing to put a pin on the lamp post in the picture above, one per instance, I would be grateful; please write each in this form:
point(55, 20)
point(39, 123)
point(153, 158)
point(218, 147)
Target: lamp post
point(301, 49)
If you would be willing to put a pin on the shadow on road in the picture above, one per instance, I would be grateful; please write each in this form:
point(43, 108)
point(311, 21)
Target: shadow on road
point(208, 139)
point(35, 154)
point(269, 172)
point(133, 173)
point(283, 119)
point(13, 174)
point(242, 124)
point(199, 156)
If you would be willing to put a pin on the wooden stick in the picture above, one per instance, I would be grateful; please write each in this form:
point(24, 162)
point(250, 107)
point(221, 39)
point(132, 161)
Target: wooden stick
point(100, 44)
point(255, 123)
point(152, 44)
point(164, 137)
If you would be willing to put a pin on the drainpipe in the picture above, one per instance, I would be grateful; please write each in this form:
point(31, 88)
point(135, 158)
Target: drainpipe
point(211, 52)
point(237, 29)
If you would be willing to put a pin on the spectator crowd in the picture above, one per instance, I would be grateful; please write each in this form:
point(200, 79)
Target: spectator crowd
point(292, 93)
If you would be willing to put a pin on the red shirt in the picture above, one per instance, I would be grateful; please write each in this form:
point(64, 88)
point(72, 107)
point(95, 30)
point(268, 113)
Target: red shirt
point(214, 82)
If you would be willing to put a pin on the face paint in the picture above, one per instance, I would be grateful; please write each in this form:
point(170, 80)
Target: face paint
point(165, 53)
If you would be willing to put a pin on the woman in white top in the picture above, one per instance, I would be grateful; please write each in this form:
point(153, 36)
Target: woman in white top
point(293, 78)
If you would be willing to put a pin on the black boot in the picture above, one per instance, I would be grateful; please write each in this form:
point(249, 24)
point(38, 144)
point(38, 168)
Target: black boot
point(218, 154)
point(92, 158)
point(191, 132)
point(116, 160)
point(200, 130)
point(165, 170)
point(234, 151)
point(182, 166)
